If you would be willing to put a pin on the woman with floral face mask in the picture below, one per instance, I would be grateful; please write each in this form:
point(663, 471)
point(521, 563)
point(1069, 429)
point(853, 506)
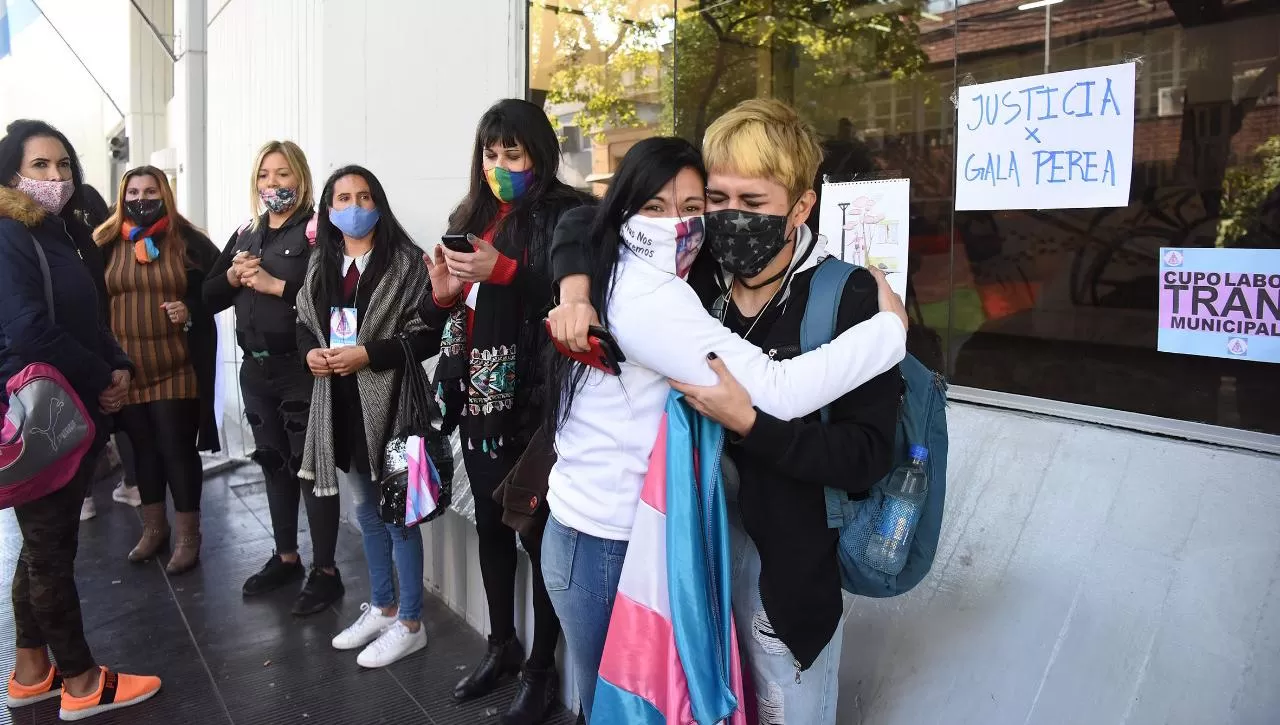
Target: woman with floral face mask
point(259, 274)
point(639, 244)
point(39, 180)
point(156, 263)
point(490, 304)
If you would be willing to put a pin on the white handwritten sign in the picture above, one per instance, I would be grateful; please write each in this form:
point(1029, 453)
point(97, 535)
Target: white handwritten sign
point(1054, 141)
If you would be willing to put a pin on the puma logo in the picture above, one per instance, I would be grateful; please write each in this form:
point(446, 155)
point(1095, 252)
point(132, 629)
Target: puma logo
point(50, 431)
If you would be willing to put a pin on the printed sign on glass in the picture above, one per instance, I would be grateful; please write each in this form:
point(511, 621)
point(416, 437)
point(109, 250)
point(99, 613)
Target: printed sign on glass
point(1220, 303)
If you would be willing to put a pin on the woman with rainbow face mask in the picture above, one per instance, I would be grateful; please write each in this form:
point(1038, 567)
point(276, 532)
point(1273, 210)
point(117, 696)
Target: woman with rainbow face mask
point(488, 305)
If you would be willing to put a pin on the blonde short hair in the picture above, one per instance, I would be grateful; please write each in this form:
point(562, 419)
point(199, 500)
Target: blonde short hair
point(764, 139)
point(297, 163)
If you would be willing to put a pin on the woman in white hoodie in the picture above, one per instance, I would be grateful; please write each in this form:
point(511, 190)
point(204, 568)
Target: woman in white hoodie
point(642, 241)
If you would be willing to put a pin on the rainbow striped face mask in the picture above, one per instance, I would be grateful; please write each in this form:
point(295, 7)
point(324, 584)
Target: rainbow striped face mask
point(508, 185)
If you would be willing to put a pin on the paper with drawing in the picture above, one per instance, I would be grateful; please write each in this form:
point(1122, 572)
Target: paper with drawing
point(865, 223)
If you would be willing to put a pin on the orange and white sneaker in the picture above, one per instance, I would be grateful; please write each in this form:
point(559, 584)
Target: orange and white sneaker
point(21, 695)
point(115, 691)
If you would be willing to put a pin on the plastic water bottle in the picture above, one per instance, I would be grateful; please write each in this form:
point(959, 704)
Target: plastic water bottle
point(904, 496)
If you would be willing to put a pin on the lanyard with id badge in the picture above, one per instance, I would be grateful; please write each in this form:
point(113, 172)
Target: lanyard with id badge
point(344, 321)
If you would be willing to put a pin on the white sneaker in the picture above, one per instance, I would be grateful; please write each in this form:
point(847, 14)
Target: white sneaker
point(88, 509)
point(367, 628)
point(127, 495)
point(395, 644)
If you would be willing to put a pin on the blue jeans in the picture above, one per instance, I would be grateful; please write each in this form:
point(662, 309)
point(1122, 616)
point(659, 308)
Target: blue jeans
point(582, 573)
point(784, 694)
point(391, 551)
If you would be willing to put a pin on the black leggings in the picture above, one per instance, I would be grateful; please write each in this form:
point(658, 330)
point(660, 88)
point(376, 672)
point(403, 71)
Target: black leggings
point(163, 435)
point(277, 401)
point(46, 605)
point(498, 561)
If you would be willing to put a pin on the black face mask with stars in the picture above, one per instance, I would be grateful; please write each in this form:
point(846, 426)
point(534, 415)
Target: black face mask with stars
point(744, 242)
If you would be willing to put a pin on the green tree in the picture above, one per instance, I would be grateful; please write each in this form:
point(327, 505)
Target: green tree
point(1244, 190)
point(608, 56)
point(611, 55)
point(802, 48)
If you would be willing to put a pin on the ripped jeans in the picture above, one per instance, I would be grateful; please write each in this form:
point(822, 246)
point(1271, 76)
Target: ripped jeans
point(277, 402)
point(783, 694)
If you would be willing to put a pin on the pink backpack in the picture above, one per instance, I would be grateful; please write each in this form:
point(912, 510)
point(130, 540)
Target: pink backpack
point(47, 431)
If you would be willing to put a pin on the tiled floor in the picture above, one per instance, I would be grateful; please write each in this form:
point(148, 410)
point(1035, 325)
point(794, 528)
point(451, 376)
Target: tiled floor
point(228, 660)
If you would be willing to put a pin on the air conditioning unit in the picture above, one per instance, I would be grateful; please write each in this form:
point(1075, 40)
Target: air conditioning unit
point(1169, 101)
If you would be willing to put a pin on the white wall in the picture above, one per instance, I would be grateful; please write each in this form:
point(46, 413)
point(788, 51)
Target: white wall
point(264, 84)
point(42, 79)
point(150, 73)
point(1085, 575)
point(403, 86)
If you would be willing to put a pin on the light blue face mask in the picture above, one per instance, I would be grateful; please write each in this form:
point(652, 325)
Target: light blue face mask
point(355, 221)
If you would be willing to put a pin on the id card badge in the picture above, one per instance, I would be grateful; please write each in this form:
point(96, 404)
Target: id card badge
point(342, 326)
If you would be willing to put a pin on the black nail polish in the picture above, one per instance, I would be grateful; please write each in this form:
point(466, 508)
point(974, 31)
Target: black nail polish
point(711, 356)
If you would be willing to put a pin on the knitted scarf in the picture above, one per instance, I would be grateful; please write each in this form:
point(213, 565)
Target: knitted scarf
point(392, 310)
point(145, 250)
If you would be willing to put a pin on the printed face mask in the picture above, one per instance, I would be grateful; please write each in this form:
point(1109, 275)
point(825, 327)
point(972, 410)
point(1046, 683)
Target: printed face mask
point(355, 221)
point(744, 242)
point(280, 200)
point(52, 196)
point(144, 212)
point(668, 243)
point(508, 185)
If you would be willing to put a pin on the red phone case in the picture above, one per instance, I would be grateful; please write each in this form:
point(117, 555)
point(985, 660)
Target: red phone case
point(603, 355)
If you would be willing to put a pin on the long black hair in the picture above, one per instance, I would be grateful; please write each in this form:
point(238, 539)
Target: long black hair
point(389, 238)
point(13, 147)
point(509, 121)
point(648, 167)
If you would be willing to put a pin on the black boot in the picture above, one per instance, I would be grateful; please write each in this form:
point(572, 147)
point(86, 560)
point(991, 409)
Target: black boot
point(503, 659)
point(277, 573)
point(535, 696)
point(320, 592)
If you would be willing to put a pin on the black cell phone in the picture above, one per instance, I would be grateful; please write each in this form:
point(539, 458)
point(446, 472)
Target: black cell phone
point(458, 242)
point(604, 353)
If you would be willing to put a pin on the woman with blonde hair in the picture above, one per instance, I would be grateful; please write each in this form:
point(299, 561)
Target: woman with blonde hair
point(156, 262)
point(259, 274)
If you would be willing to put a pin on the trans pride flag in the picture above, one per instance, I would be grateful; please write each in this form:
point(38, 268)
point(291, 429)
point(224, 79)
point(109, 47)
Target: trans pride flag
point(671, 655)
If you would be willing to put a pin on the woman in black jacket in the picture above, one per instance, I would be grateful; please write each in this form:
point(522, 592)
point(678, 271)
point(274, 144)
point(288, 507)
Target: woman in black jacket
point(156, 263)
point(39, 180)
point(490, 304)
point(259, 274)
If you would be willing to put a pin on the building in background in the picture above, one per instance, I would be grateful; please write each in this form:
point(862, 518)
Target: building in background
point(1111, 539)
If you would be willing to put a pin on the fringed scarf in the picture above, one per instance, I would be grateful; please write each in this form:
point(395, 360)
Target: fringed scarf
point(145, 250)
point(392, 310)
point(476, 378)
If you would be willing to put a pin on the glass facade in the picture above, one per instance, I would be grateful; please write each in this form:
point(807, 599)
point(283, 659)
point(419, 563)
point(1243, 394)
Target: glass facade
point(1058, 304)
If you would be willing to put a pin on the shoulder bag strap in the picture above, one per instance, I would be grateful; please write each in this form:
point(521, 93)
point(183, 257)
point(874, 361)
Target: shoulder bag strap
point(48, 278)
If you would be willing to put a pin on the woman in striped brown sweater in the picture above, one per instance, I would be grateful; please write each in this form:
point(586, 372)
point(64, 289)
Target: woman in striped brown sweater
point(156, 262)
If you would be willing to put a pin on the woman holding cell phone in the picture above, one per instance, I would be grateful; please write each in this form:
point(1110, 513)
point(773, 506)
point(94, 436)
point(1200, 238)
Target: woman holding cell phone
point(489, 293)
